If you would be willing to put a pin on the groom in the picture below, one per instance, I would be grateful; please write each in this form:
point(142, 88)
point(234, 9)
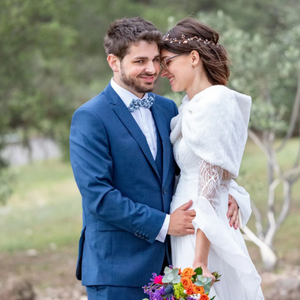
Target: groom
point(123, 165)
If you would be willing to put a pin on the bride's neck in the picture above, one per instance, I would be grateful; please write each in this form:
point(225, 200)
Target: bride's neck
point(199, 84)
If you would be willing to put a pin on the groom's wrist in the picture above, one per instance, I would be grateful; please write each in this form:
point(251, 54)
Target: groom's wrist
point(164, 230)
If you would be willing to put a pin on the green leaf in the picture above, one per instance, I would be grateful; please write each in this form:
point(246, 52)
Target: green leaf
point(217, 276)
point(205, 282)
point(167, 270)
point(198, 271)
point(171, 276)
point(176, 279)
point(167, 278)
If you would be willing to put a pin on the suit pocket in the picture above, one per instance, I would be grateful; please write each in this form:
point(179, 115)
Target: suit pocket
point(80, 252)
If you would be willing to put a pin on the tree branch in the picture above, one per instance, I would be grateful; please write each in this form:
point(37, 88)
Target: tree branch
point(258, 220)
point(298, 154)
point(259, 143)
point(271, 215)
point(294, 116)
point(268, 255)
point(286, 203)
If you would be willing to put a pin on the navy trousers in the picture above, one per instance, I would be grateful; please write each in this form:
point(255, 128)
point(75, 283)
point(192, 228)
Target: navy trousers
point(101, 292)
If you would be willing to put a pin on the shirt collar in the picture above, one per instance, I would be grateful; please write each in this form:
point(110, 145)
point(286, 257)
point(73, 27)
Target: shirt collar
point(124, 94)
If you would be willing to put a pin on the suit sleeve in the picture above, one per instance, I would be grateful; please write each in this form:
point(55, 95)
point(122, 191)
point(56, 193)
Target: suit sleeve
point(92, 166)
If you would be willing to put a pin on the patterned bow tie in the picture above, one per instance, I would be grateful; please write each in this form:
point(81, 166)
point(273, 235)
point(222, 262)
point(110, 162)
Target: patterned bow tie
point(137, 103)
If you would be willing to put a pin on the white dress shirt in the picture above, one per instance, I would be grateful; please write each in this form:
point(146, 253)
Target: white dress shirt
point(143, 117)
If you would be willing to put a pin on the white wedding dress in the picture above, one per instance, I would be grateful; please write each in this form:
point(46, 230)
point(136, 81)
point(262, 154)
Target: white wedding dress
point(209, 136)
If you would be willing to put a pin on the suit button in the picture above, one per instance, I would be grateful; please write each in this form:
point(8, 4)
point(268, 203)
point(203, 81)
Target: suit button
point(164, 191)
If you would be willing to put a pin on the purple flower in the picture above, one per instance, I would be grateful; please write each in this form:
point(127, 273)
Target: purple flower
point(158, 294)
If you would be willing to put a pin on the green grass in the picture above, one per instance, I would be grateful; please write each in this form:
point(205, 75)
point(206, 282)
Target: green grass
point(45, 209)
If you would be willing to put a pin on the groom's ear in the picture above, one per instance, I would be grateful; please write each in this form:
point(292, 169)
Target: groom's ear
point(113, 62)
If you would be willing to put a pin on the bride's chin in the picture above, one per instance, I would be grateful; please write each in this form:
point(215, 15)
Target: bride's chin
point(174, 89)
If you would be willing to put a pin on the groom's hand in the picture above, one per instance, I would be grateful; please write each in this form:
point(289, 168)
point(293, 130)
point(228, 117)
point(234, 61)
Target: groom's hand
point(181, 220)
point(233, 212)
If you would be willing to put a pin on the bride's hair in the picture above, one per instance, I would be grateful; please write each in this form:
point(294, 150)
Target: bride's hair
point(189, 35)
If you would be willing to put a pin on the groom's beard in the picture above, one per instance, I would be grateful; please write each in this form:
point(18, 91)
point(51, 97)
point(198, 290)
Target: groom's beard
point(135, 83)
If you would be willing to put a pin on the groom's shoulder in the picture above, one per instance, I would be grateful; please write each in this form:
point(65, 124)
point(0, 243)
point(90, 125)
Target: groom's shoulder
point(165, 102)
point(162, 98)
point(98, 103)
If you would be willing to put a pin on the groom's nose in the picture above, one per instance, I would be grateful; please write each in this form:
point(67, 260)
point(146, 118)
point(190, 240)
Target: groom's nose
point(152, 67)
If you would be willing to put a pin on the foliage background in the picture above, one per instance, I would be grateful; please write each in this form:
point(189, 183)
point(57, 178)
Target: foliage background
point(52, 61)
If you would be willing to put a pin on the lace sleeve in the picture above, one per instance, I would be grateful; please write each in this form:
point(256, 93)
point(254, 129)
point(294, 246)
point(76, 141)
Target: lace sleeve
point(211, 179)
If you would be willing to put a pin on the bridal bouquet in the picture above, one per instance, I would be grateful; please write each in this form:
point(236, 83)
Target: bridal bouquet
point(175, 284)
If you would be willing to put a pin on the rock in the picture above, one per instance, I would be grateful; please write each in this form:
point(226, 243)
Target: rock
point(18, 289)
point(283, 285)
point(31, 252)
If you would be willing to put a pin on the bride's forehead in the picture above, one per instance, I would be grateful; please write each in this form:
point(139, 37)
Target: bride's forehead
point(165, 54)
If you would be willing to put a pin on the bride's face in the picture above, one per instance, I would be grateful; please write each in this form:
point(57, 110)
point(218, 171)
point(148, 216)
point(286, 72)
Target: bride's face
point(178, 69)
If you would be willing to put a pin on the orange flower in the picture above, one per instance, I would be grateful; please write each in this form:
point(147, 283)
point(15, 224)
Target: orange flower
point(198, 289)
point(189, 290)
point(186, 282)
point(188, 272)
point(204, 297)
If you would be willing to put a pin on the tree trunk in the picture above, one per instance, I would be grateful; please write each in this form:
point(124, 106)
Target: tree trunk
point(268, 255)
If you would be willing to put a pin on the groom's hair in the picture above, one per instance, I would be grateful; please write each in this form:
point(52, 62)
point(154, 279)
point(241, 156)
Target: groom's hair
point(122, 33)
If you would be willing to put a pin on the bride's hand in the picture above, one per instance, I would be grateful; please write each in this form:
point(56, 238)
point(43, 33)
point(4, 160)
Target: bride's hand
point(205, 271)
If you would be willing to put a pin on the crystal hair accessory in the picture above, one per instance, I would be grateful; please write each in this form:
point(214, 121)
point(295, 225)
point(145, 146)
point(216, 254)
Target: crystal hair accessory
point(137, 103)
point(185, 40)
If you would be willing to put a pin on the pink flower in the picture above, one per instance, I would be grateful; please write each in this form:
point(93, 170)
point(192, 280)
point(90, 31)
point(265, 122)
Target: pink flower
point(158, 279)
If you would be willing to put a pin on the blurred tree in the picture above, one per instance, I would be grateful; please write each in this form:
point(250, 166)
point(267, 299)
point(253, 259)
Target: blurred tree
point(34, 86)
point(52, 58)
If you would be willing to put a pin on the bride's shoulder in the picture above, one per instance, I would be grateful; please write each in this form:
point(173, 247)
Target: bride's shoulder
point(214, 94)
point(212, 99)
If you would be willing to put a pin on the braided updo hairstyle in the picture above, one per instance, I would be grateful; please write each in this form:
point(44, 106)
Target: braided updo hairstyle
point(189, 35)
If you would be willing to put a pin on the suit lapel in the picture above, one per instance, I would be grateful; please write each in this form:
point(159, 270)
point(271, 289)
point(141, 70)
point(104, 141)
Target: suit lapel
point(164, 134)
point(126, 118)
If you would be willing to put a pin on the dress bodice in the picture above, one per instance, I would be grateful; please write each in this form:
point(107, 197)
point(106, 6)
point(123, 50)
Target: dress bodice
point(197, 178)
point(186, 160)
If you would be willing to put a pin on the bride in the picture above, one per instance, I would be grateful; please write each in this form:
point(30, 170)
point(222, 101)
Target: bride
point(209, 137)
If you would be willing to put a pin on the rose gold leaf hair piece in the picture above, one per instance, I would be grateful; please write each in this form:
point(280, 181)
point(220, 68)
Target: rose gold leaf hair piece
point(185, 40)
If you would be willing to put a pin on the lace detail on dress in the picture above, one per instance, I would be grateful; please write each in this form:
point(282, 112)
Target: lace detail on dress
point(212, 181)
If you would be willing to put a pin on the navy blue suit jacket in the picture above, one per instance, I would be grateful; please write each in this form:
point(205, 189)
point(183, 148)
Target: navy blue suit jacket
point(124, 199)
